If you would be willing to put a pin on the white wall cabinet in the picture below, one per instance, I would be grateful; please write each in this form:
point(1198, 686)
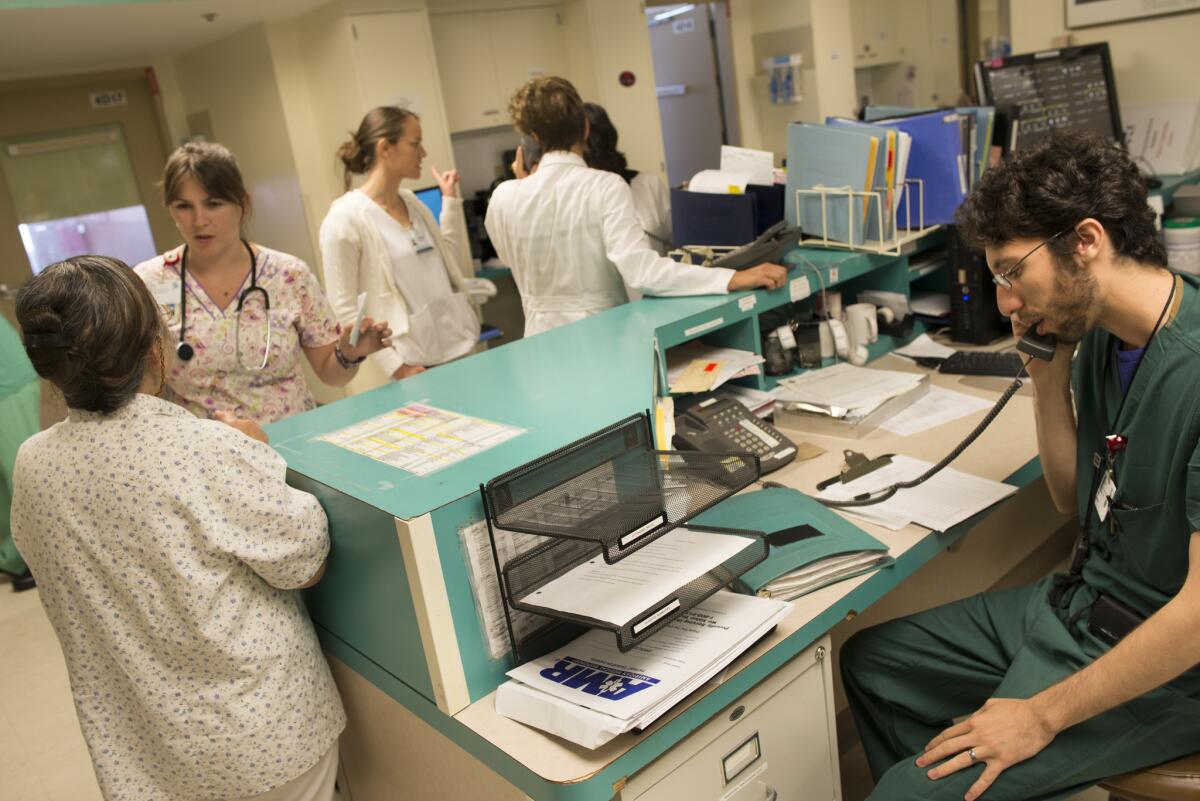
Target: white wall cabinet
point(484, 57)
point(775, 742)
point(874, 30)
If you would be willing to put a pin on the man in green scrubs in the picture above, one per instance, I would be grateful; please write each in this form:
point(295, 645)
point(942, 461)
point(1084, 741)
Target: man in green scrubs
point(19, 393)
point(1061, 683)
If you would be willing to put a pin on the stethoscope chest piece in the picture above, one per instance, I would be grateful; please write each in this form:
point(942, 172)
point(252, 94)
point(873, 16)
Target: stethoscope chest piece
point(185, 351)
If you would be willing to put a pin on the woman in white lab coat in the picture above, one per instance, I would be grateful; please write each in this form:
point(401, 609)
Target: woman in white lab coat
point(651, 198)
point(381, 240)
point(570, 233)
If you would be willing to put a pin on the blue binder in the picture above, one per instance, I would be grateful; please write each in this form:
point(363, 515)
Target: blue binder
point(936, 158)
point(880, 182)
point(775, 509)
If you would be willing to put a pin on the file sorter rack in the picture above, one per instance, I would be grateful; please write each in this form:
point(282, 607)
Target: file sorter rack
point(852, 198)
point(610, 494)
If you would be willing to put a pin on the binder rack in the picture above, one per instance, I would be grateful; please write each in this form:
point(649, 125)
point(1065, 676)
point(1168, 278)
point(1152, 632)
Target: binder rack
point(852, 198)
point(610, 494)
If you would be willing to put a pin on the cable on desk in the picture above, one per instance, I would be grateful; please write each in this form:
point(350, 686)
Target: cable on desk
point(888, 492)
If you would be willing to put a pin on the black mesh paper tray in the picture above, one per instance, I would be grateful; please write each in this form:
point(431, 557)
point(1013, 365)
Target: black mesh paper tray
point(533, 569)
point(613, 490)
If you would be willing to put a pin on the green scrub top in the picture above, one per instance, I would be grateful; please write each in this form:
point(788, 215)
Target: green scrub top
point(1139, 555)
point(19, 397)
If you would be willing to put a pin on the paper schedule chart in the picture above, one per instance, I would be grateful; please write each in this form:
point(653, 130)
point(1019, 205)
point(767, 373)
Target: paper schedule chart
point(421, 439)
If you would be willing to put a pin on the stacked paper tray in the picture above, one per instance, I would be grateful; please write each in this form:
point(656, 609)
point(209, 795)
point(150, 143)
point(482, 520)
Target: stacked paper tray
point(566, 580)
point(612, 490)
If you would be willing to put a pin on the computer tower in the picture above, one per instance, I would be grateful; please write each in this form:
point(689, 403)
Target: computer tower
point(974, 317)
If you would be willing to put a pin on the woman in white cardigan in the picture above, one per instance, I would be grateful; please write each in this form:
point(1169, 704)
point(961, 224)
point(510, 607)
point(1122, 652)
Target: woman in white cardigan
point(381, 240)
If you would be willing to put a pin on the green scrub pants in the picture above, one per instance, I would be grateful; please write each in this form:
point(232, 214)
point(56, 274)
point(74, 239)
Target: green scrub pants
point(19, 416)
point(907, 680)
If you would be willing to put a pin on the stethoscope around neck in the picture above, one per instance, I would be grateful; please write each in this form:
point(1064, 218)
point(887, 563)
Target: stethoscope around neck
point(185, 351)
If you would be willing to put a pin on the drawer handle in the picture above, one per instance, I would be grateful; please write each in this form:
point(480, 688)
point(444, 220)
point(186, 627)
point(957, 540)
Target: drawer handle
point(737, 713)
point(490, 112)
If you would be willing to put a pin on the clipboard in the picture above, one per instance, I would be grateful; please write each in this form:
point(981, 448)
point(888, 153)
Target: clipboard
point(857, 466)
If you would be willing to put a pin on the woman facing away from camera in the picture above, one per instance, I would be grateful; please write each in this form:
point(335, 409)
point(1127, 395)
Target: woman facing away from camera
point(167, 549)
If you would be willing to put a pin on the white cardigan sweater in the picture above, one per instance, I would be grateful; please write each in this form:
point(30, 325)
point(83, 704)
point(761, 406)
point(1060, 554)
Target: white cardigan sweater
point(355, 259)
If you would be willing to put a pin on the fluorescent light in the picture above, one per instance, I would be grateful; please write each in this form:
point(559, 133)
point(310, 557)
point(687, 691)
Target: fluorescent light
point(674, 12)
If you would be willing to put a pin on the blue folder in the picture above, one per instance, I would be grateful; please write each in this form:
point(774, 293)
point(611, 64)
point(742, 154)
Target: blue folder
point(775, 509)
point(937, 159)
point(820, 155)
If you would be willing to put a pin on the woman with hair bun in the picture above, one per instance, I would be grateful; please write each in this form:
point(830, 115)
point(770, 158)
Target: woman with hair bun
point(166, 549)
point(242, 314)
point(651, 199)
point(381, 240)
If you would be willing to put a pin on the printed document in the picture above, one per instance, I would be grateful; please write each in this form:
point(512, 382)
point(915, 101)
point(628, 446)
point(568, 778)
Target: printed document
point(846, 386)
point(938, 406)
point(486, 586)
point(943, 501)
point(589, 692)
point(619, 593)
point(420, 438)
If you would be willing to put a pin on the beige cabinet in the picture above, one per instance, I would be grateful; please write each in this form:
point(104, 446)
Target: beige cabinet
point(775, 742)
point(874, 32)
point(394, 61)
point(484, 57)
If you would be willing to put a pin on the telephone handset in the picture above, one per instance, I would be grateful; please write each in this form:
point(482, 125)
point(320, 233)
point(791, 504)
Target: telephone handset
point(771, 245)
point(1039, 346)
point(531, 151)
point(722, 425)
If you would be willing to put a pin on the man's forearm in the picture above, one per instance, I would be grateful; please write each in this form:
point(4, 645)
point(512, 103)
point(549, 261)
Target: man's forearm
point(1153, 654)
point(1056, 435)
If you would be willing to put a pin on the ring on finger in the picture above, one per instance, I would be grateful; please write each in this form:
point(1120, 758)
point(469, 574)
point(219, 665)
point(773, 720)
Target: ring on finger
point(971, 754)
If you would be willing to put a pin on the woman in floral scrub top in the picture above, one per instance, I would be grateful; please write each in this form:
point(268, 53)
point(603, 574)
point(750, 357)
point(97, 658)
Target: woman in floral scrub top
point(204, 192)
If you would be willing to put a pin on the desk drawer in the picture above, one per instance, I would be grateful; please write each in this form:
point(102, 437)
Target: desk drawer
point(775, 742)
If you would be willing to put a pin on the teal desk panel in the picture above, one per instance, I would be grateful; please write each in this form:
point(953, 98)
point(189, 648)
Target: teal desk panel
point(1172, 182)
point(364, 595)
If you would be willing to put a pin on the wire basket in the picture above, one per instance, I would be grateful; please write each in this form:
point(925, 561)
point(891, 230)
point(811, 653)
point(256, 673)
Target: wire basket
point(613, 490)
point(525, 574)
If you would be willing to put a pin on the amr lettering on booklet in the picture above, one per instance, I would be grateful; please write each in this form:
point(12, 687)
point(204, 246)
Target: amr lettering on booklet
point(597, 680)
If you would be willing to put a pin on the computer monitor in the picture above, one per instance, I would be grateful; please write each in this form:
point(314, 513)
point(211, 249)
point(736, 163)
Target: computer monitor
point(1071, 88)
point(431, 197)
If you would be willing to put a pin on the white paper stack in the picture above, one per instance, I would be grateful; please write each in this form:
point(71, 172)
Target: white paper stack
point(844, 391)
point(589, 692)
point(728, 363)
point(946, 499)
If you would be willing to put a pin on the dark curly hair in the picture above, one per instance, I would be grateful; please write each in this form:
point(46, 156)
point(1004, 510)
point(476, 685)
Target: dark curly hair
point(1064, 179)
point(601, 151)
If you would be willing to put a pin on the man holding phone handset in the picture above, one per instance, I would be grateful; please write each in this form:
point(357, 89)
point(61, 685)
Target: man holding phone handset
point(1093, 672)
point(570, 233)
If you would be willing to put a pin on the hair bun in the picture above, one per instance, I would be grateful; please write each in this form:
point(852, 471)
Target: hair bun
point(352, 155)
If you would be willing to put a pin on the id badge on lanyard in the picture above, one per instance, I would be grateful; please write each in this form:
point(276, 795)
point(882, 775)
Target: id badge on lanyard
point(1113, 445)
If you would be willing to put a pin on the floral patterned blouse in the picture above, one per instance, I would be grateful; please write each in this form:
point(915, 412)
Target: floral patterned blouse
point(224, 374)
point(164, 546)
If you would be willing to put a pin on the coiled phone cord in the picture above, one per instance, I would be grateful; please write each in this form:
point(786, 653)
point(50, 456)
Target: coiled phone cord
point(888, 492)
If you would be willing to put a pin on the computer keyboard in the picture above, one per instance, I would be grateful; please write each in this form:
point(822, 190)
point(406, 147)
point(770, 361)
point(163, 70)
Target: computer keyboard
point(974, 362)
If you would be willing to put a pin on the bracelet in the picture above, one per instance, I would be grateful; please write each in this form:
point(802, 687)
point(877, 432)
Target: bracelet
point(341, 357)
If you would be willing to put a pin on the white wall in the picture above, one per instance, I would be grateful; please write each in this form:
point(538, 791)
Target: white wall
point(234, 81)
point(1154, 60)
point(620, 41)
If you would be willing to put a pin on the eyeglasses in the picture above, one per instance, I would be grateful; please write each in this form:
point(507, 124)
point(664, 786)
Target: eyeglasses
point(1005, 279)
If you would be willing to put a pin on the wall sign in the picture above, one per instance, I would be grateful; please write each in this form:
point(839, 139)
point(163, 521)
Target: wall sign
point(1081, 13)
point(108, 99)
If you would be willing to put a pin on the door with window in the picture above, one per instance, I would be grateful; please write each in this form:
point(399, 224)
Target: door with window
point(79, 161)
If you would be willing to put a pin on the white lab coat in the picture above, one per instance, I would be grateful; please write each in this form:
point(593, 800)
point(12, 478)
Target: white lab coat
point(652, 203)
point(570, 234)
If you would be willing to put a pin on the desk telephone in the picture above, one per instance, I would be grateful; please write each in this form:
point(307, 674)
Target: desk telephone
point(718, 425)
point(770, 246)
